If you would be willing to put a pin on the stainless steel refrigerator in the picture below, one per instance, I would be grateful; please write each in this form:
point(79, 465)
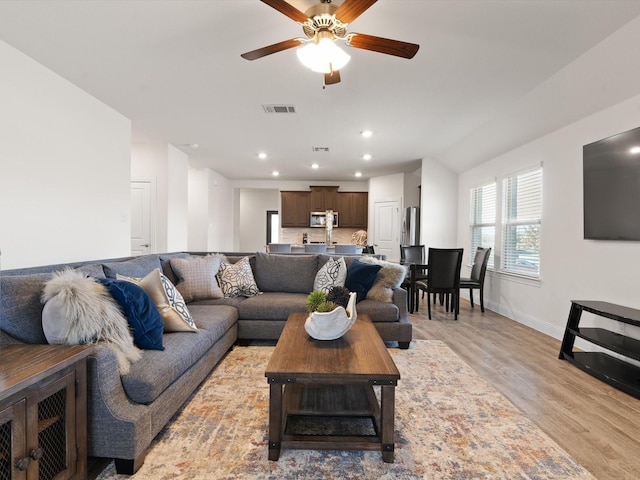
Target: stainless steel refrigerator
point(411, 226)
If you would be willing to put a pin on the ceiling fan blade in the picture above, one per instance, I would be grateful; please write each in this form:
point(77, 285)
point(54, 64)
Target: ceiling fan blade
point(352, 9)
point(332, 78)
point(382, 45)
point(275, 48)
point(287, 9)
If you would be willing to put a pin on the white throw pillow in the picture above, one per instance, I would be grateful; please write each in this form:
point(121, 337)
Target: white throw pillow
point(236, 279)
point(331, 274)
point(197, 277)
point(172, 307)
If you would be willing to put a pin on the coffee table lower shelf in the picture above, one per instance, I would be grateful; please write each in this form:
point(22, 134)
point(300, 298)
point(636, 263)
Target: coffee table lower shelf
point(333, 417)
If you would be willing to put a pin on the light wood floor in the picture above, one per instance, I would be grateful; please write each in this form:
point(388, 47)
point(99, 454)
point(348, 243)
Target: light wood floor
point(596, 424)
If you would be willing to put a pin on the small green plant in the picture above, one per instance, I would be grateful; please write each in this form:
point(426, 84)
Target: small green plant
point(326, 307)
point(314, 299)
point(339, 295)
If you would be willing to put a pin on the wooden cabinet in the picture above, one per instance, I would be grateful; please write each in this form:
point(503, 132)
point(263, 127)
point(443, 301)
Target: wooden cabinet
point(43, 412)
point(323, 198)
point(295, 209)
point(352, 208)
point(616, 371)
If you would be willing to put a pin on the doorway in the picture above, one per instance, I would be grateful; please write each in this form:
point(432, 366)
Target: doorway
point(386, 229)
point(273, 226)
point(142, 217)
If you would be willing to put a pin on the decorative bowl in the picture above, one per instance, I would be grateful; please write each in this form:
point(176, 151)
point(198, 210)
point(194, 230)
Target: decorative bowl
point(334, 324)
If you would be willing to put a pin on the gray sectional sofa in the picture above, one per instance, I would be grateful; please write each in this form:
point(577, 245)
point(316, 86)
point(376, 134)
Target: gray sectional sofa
point(126, 412)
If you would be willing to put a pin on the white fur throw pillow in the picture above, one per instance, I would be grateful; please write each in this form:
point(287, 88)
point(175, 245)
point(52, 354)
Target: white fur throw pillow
point(389, 277)
point(80, 310)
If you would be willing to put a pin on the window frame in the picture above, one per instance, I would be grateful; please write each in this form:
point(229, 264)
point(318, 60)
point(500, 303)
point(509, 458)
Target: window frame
point(510, 222)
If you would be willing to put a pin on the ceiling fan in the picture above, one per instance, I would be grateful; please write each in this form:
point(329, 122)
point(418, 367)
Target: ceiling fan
point(323, 24)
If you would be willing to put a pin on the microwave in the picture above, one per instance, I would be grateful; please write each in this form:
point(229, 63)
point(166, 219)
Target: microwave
point(319, 219)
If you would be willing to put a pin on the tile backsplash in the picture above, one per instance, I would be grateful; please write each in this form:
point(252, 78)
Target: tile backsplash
point(294, 235)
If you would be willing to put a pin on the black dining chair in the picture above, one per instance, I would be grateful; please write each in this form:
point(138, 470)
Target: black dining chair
point(478, 272)
point(443, 277)
point(413, 256)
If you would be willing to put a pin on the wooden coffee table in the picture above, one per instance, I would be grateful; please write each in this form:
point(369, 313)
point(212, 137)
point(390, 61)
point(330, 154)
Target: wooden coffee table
point(331, 378)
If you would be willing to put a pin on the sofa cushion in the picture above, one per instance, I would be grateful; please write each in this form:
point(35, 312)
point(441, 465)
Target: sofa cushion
point(236, 280)
point(141, 313)
point(21, 308)
point(197, 277)
point(272, 306)
point(379, 311)
point(285, 273)
point(156, 371)
point(167, 299)
point(165, 262)
point(92, 270)
point(331, 274)
point(360, 278)
point(134, 267)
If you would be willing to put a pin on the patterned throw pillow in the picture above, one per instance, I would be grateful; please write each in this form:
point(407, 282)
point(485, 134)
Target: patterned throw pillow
point(236, 279)
point(331, 274)
point(197, 277)
point(172, 307)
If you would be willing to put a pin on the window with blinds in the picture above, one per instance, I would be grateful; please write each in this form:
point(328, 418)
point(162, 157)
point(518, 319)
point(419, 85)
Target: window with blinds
point(521, 219)
point(482, 220)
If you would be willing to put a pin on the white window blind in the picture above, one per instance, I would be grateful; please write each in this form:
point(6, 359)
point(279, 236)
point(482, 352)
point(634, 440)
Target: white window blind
point(521, 220)
point(482, 220)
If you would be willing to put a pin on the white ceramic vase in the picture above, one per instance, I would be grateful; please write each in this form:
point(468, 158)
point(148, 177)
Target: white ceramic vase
point(334, 324)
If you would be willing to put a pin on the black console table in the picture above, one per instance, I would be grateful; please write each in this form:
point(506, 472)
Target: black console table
point(617, 372)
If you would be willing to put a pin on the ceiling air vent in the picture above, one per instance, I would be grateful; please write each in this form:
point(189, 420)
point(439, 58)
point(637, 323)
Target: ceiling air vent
point(320, 149)
point(279, 108)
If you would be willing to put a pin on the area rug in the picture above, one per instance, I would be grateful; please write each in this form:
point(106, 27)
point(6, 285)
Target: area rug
point(450, 424)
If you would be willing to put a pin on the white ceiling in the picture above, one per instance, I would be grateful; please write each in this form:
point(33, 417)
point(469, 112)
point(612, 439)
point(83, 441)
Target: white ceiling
point(174, 68)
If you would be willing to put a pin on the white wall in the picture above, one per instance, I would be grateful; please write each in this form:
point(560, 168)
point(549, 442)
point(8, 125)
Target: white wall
point(252, 213)
point(177, 200)
point(571, 267)
point(439, 206)
point(64, 169)
point(211, 212)
point(169, 167)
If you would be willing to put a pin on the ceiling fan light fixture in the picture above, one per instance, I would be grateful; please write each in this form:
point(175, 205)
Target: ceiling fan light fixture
point(324, 56)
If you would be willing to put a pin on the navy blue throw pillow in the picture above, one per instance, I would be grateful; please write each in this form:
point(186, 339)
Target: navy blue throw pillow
point(141, 313)
point(360, 278)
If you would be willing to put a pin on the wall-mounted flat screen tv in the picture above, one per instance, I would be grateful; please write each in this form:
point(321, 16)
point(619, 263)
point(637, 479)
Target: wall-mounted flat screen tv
point(611, 176)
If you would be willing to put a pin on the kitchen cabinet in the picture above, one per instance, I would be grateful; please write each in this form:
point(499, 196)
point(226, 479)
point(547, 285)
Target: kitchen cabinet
point(295, 209)
point(43, 409)
point(323, 198)
point(352, 208)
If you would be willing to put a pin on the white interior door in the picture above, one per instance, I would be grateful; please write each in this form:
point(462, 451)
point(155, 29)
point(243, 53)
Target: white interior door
point(142, 233)
point(386, 229)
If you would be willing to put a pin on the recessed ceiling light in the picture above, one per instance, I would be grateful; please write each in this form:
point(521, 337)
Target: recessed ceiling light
point(634, 150)
point(315, 166)
point(366, 156)
point(358, 174)
point(366, 133)
point(275, 173)
point(262, 155)
point(194, 145)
